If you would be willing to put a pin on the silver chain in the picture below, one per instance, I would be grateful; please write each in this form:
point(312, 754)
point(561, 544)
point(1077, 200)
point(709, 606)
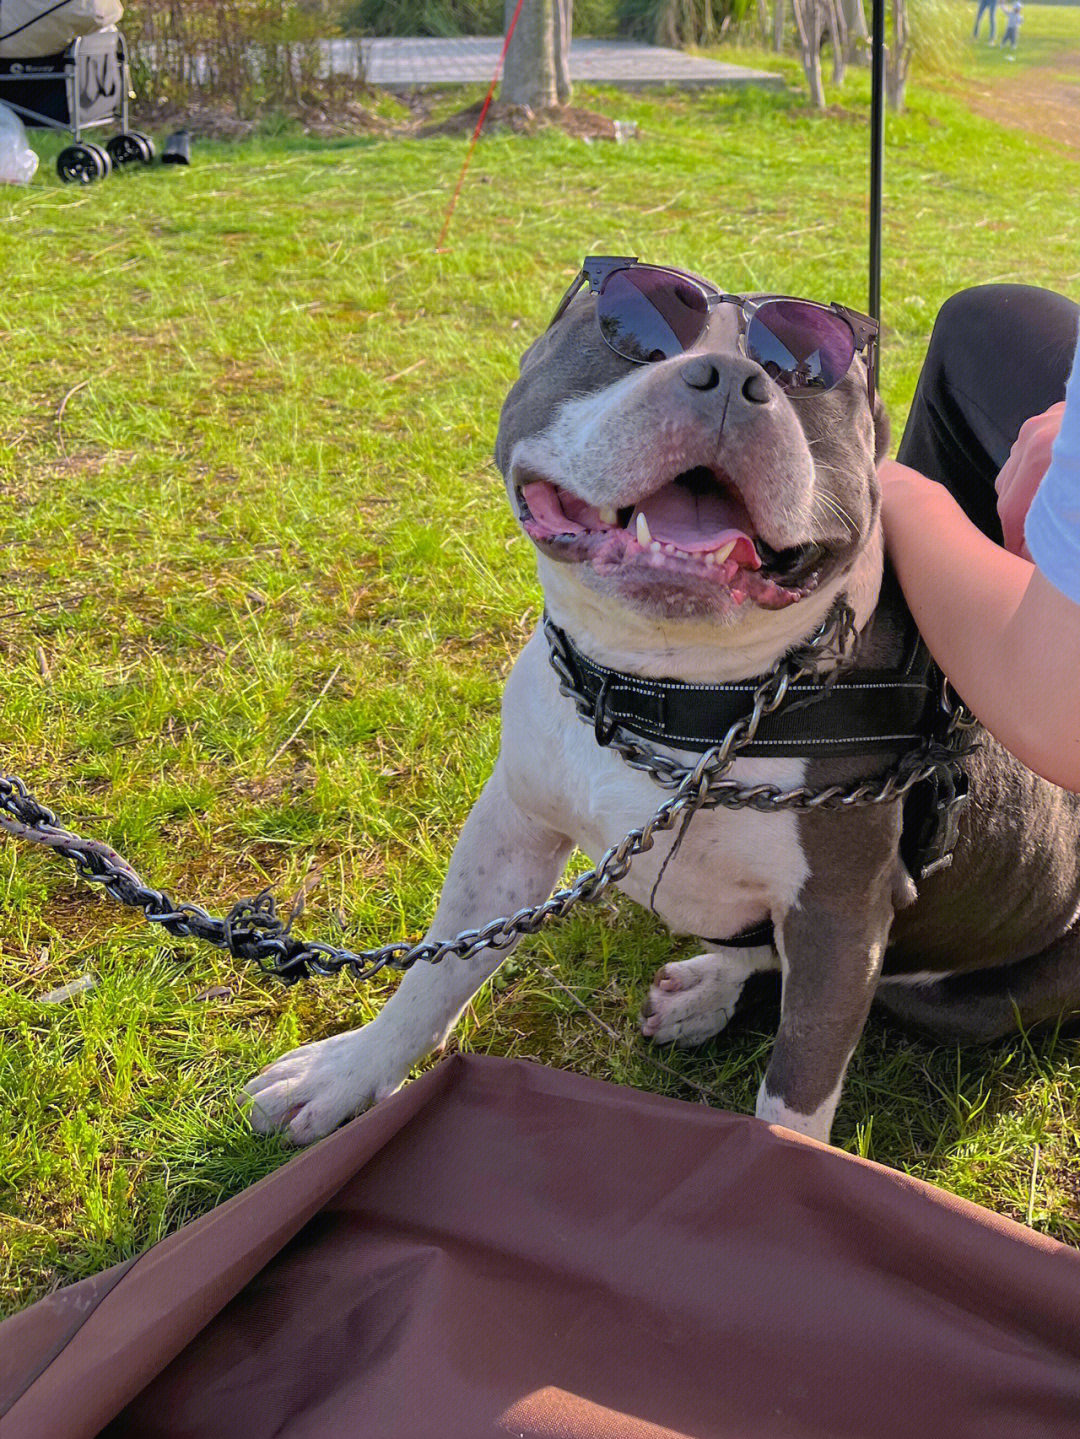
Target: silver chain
point(252, 929)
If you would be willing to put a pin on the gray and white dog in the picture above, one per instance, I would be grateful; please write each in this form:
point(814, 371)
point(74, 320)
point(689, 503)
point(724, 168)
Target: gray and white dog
point(696, 513)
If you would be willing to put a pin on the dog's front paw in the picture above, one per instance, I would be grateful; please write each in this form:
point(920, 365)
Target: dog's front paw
point(690, 1000)
point(309, 1091)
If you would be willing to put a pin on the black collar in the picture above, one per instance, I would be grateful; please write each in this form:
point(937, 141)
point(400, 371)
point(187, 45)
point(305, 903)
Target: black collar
point(863, 711)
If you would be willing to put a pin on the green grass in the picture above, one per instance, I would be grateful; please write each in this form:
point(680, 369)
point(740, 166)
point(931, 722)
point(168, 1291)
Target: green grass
point(244, 446)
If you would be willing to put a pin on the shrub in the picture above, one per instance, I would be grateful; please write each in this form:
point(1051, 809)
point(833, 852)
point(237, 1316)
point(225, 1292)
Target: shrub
point(679, 22)
point(460, 17)
point(428, 17)
point(252, 53)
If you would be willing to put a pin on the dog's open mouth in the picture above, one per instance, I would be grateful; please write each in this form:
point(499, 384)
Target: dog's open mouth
point(695, 527)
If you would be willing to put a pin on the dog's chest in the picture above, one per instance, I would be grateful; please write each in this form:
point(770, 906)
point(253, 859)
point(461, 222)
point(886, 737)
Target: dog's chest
point(733, 867)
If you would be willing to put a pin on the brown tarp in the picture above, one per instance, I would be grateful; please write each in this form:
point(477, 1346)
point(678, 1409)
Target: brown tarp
point(502, 1249)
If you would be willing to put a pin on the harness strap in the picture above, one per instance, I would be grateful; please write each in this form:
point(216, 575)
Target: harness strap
point(861, 711)
point(761, 933)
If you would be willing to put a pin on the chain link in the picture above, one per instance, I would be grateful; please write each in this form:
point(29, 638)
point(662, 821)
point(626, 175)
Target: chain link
point(253, 931)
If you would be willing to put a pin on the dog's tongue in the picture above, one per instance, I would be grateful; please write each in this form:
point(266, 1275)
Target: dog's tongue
point(699, 522)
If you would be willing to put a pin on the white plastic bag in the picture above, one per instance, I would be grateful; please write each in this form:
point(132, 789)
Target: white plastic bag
point(17, 161)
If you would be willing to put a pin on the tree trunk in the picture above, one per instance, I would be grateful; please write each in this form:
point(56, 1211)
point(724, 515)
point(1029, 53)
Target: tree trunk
point(858, 36)
point(778, 26)
point(838, 31)
point(809, 24)
point(764, 23)
point(529, 75)
point(898, 56)
point(564, 31)
point(667, 29)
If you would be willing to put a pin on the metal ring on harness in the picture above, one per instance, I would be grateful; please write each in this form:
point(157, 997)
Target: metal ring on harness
point(602, 728)
point(960, 717)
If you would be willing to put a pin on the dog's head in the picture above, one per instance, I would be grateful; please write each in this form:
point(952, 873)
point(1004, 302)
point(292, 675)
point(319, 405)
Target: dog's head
point(693, 486)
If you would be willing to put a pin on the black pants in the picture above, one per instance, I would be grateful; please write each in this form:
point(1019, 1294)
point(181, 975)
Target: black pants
point(998, 355)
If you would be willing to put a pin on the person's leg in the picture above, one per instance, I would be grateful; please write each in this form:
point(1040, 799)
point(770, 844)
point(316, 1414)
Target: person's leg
point(998, 355)
point(980, 12)
point(993, 20)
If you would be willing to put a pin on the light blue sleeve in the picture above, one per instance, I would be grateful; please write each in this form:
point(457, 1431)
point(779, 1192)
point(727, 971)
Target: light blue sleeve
point(1053, 521)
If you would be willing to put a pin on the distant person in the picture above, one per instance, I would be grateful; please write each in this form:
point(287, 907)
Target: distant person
point(1013, 21)
point(984, 6)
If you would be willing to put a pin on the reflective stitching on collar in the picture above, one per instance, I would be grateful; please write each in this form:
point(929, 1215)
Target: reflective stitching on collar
point(654, 731)
point(642, 686)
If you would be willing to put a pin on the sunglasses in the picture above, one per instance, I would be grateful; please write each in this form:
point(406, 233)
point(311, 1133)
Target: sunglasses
point(648, 313)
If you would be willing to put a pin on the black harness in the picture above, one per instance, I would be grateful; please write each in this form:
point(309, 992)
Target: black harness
point(896, 713)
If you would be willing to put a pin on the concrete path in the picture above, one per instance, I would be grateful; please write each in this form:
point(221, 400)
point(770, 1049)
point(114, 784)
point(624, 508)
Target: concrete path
point(403, 64)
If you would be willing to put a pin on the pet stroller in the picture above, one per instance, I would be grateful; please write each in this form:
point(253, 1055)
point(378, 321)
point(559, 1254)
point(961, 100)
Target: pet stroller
point(82, 87)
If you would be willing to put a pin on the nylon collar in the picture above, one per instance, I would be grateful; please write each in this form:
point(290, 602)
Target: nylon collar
point(862, 711)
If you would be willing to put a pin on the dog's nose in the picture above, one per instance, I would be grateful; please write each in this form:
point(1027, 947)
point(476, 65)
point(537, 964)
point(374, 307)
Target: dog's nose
point(756, 388)
point(700, 373)
point(703, 372)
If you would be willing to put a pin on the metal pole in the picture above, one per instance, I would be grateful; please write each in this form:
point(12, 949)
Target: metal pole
point(877, 153)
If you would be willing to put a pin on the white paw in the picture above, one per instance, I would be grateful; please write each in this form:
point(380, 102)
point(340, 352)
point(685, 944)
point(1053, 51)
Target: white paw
point(817, 1124)
point(692, 999)
point(309, 1091)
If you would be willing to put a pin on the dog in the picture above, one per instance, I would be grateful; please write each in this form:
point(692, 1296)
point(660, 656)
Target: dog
point(699, 485)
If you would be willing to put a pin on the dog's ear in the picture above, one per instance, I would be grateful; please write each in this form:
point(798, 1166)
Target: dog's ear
point(882, 430)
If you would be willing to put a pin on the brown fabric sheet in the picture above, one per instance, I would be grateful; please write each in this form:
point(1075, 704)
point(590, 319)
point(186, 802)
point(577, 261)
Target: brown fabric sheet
point(507, 1250)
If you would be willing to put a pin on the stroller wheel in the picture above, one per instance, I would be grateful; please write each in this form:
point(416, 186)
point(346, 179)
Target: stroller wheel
point(81, 164)
point(130, 146)
point(103, 155)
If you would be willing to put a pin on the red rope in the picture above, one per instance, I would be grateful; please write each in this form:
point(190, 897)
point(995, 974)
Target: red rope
point(479, 125)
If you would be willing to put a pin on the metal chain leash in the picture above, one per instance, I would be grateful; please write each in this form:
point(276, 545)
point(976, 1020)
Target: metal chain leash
point(252, 929)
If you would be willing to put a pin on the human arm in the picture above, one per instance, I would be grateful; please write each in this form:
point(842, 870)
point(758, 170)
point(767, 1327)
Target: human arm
point(1008, 639)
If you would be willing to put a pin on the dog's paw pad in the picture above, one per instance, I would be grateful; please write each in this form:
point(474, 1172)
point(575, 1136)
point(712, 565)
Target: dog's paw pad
point(690, 1001)
point(683, 973)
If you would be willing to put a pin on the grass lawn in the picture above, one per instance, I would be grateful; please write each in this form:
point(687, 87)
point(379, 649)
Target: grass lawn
point(245, 446)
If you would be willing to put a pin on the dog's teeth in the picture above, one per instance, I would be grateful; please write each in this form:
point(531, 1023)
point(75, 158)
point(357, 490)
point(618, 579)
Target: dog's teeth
point(670, 549)
point(644, 536)
point(710, 557)
point(722, 553)
point(608, 515)
point(655, 546)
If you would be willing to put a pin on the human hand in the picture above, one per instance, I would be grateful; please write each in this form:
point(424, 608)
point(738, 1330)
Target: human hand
point(1022, 472)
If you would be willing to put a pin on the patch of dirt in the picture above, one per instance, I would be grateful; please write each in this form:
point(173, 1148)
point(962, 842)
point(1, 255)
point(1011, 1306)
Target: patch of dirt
point(1043, 100)
point(204, 120)
point(582, 124)
point(348, 118)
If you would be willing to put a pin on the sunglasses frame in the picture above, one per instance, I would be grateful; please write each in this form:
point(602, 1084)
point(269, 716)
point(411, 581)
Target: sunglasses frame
point(596, 269)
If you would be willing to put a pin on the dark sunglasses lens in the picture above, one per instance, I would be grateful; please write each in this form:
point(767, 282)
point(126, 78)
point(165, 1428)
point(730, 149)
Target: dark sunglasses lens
point(805, 348)
point(647, 314)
